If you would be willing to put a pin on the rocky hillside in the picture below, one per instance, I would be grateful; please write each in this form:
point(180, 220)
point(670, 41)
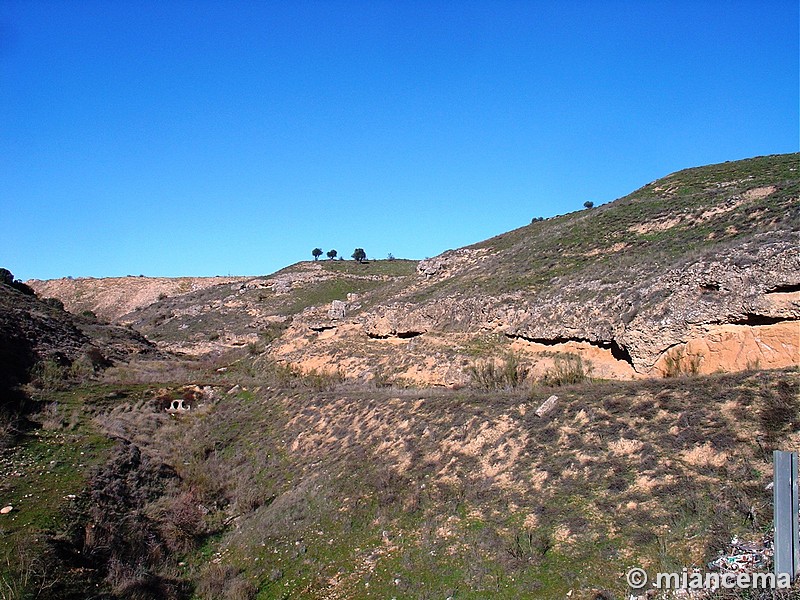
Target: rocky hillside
point(695, 272)
point(698, 271)
point(111, 297)
point(36, 331)
point(257, 310)
point(277, 485)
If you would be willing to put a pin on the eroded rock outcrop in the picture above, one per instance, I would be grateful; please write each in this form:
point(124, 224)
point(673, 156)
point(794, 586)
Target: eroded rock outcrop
point(641, 317)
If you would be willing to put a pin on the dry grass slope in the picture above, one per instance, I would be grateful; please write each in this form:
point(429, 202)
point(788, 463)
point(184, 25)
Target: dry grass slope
point(426, 493)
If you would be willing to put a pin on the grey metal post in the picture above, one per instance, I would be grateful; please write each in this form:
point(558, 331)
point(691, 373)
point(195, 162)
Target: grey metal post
point(787, 533)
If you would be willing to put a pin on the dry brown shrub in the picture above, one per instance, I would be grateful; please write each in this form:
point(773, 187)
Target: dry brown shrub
point(224, 582)
point(568, 369)
point(182, 522)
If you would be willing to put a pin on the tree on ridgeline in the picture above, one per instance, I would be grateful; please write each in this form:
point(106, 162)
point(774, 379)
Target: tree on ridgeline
point(316, 253)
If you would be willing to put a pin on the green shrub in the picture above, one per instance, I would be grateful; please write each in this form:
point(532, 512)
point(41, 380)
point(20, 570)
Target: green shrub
point(278, 374)
point(50, 375)
point(81, 369)
point(321, 381)
point(272, 331)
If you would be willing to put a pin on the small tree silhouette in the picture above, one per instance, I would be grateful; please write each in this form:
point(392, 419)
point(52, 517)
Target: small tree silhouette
point(588, 204)
point(359, 255)
point(332, 254)
point(316, 253)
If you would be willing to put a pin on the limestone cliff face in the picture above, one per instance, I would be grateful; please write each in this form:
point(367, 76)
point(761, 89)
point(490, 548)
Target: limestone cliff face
point(641, 317)
point(646, 316)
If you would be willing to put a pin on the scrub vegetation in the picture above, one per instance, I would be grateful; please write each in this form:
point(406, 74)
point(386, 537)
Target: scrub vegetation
point(283, 484)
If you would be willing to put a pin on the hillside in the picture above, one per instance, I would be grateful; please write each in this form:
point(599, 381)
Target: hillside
point(36, 332)
point(698, 269)
point(111, 297)
point(277, 485)
point(344, 431)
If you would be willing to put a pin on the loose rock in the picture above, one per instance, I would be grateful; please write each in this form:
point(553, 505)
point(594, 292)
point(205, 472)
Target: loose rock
point(547, 406)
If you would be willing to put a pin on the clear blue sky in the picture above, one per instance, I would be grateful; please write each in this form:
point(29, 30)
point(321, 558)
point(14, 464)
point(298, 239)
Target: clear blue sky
point(200, 138)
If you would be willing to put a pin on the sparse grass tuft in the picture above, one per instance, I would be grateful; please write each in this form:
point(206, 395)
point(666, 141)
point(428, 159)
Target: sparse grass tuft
point(26, 572)
point(568, 369)
point(678, 364)
point(529, 545)
point(510, 373)
point(380, 379)
point(292, 377)
point(49, 376)
point(224, 582)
